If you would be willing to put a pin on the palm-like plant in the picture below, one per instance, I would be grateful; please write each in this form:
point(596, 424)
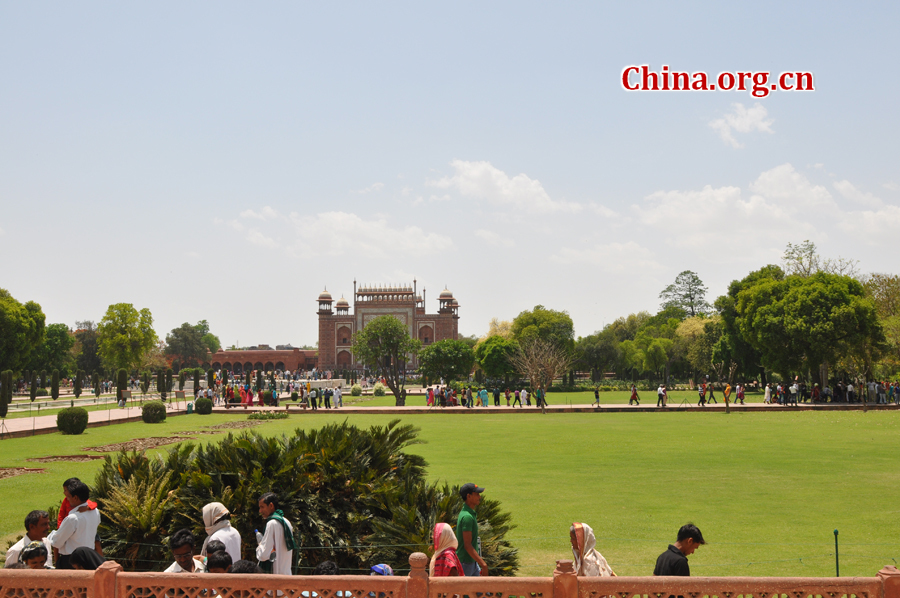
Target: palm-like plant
point(135, 515)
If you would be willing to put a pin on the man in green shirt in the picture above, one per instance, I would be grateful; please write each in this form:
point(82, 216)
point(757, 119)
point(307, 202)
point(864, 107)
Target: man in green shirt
point(469, 551)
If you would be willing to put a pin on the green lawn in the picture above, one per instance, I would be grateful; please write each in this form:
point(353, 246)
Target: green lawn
point(767, 489)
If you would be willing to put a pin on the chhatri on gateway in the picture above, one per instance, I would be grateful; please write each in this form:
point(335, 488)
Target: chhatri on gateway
point(336, 327)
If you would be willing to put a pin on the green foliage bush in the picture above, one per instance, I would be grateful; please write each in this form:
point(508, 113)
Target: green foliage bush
point(73, 420)
point(267, 415)
point(379, 389)
point(295, 396)
point(153, 412)
point(41, 392)
point(356, 390)
point(356, 495)
point(267, 397)
point(203, 406)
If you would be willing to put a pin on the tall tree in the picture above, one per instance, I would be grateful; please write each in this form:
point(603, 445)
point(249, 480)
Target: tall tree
point(53, 352)
point(495, 354)
point(541, 361)
point(553, 326)
point(798, 324)
point(186, 343)
point(804, 260)
point(447, 359)
point(21, 331)
point(687, 293)
point(86, 348)
point(385, 347)
point(124, 335)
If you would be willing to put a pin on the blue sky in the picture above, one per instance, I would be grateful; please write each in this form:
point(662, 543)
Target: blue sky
point(226, 162)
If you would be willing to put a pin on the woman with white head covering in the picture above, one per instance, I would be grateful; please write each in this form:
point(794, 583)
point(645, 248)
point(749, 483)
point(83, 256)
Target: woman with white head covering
point(444, 562)
point(588, 562)
point(217, 520)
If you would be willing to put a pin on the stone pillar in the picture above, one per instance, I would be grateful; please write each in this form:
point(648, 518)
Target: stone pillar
point(890, 579)
point(565, 583)
point(105, 579)
point(417, 582)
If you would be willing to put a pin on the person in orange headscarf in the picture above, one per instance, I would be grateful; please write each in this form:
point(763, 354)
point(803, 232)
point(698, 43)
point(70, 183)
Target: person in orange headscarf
point(444, 562)
point(588, 562)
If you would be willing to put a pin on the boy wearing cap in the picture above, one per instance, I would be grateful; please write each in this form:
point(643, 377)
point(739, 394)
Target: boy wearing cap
point(467, 533)
point(674, 560)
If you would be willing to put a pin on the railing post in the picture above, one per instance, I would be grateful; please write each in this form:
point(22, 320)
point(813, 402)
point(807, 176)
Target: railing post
point(417, 582)
point(890, 582)
point(105, 580)
point(565, 583)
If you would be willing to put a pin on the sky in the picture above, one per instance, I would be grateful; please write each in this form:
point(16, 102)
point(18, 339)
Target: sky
point(228, 161)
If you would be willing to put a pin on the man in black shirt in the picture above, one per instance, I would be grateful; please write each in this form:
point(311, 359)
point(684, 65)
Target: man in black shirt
point(674, 560)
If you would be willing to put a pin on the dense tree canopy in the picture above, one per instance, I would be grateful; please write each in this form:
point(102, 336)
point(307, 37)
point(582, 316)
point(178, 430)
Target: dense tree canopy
point(124, 335)
point(53, 352)
point(494, 355)
point(446, 360)
point(384, 347)
point(186, 344)
point(87, 347)
point(21, 331)
point(798, 323)
point(550, 325)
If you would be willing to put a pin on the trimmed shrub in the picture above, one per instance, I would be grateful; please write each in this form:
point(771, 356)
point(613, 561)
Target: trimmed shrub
point(41, 392)
point(379, 389)
point(73, 420)
point(196, 381)
point(153, 412)
point(95, 382)
point(79, 383)
point(267, 397)
point(295, 396)
point(54, 384)
point(203, 406)
point(267, 415)
point(356, 390)
point(34, 385)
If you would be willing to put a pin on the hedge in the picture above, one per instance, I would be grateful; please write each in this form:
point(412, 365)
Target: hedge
point(72, 420)
point(378, 391)
point(356, 390)
point(203, 406)
point(153, 412)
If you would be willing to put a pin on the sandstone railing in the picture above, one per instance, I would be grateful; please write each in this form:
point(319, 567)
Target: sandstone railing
point(110, 581)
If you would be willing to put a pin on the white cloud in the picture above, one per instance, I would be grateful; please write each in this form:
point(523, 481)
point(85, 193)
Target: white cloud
point(257, 237)
point(742, 120)
point(266, 213)
point(371, 188)
point(792, 189)
point(236, 225)
point(484, 181)
point(493, 238)
point(891, 186)
point(609, 257)
point(344, 234)
point(847, 189)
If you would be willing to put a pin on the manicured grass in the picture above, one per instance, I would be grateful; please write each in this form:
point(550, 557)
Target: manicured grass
point(767, 489)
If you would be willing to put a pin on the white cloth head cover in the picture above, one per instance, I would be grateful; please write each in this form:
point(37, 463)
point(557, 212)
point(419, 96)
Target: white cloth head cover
point(588, 562)
point(444, 538)
point(211, 515)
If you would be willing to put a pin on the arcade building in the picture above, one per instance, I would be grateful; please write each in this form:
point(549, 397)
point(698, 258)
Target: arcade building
point(336, 326)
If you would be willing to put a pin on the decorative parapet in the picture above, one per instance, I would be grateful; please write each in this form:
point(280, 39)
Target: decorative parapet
point(110, 581)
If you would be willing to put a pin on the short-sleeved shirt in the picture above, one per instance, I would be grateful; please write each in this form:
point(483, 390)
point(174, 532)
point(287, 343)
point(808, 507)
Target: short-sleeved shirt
point(672, 562)
point(466, 522)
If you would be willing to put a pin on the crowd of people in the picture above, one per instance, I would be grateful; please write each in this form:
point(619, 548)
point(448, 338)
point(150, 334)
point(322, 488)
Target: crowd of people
point(479, 396)
point(75, 544)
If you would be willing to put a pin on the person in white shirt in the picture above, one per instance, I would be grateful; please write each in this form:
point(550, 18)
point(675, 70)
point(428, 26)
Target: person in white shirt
point(275, 551)
point(182, 546)
point(338, 397)
point(217, 520)
point(37, 526)
point(79, 528)
point(524, 396)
